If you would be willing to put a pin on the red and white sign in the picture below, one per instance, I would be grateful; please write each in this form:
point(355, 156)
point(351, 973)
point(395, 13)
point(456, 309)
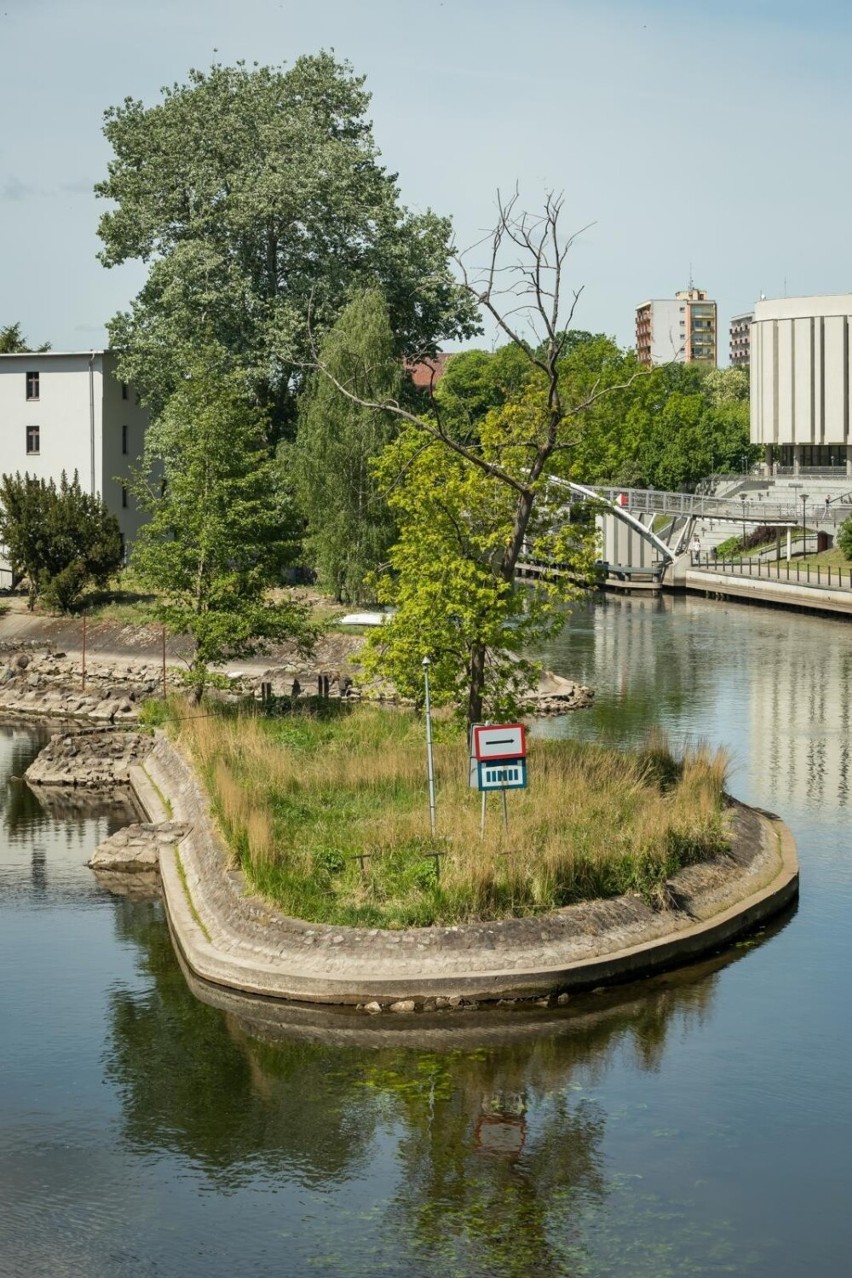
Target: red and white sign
point(500, 741)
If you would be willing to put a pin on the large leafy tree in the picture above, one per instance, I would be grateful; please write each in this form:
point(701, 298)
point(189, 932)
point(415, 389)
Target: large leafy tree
point(453, 599)
point(683, 423)
point(220, 528)
point(58, 537)
point(474, 383)
point(349, 525)
point(667, 429)
point(520, 289)
point(256, 197)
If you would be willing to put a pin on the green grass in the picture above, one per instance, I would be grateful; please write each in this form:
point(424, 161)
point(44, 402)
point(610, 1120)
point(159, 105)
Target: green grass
point(833, 558)
point(301, 798)
point(189, 901)
point(125, 602)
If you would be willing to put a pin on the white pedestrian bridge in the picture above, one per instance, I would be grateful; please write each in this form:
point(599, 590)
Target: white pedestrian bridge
point(644, 527)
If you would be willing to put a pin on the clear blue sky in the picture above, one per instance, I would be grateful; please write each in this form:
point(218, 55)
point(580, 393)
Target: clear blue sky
point(714, 137)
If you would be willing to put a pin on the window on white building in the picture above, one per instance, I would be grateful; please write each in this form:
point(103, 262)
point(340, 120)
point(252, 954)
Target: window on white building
point(32, 385)
point(33, 439)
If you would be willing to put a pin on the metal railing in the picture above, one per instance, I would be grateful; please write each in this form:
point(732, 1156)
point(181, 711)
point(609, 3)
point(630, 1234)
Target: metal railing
point(813, 472)
point(822, 576)
point(733, 509)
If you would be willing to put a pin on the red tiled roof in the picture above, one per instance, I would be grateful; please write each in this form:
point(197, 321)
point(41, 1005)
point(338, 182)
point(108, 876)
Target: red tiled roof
point(427, 372)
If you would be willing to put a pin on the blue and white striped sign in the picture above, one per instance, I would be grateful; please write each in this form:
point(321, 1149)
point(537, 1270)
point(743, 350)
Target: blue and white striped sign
point(502, 774)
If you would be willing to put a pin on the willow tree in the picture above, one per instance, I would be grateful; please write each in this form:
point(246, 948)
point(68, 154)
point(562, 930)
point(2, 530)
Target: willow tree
point(349, 526)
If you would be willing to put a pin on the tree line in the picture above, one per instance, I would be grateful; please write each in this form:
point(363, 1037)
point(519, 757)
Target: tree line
point(288, 290)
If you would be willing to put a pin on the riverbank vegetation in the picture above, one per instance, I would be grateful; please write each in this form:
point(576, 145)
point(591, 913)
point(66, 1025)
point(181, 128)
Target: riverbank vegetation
point(286, 345)
point(328, 818)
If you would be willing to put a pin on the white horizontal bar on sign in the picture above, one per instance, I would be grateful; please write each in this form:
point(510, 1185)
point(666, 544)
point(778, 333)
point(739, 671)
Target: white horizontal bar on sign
point(500, 741)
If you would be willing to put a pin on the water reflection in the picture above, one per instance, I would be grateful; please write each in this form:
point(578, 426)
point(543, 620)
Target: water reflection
point(694, 1126)
point(498, 1165)
point(772, 685)
point(19, 745)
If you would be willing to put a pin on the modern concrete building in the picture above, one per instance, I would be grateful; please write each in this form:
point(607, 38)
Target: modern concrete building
point(739, 348)
point(66, 411)
point(681, 329)
point(800, 355)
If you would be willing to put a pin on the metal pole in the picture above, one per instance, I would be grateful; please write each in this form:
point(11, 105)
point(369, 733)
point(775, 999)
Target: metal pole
point(83, 682)
point(92, 420)
point(804, 498)
point(482, 819)
point(164, 662)
point(505, 811)
point(429, 760)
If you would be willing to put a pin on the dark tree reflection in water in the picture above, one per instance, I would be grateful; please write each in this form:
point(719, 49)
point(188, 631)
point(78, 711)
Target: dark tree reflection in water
point(498, 1166)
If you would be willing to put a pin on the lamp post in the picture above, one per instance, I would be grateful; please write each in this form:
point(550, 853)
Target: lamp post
point(804, 499)
point(743, 501)
point(430, 767)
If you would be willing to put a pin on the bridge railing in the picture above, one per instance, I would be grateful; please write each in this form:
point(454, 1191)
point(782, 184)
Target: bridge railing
point(700, 506)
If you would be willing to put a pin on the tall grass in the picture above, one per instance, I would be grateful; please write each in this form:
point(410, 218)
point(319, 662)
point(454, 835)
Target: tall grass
point(328, 818)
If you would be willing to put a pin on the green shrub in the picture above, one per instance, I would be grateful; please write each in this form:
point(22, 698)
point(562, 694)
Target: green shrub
point(844, 538)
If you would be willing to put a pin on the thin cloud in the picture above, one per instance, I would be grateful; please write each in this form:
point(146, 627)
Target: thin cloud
point(14, 190)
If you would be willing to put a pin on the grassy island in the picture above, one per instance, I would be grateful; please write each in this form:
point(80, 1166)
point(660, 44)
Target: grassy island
point(327, 816)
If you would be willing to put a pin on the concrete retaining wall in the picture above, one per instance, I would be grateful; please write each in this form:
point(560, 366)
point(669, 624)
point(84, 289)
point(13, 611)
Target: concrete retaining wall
point(242, 943)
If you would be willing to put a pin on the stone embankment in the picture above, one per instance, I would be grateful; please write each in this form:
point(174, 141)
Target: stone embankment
point(231, 939)
point(98, 759)
point(41, 671)
point(136, 849)
point(40, 682)
point(556, 695)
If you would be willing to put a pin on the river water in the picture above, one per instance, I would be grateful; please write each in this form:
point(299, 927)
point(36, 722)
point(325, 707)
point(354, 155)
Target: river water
point(697, 1125)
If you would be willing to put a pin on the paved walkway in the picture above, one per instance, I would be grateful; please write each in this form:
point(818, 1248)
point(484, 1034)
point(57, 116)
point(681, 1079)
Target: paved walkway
point(809, 591)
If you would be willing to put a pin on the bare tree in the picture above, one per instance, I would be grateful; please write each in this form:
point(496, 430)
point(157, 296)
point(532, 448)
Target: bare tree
point(520, 285)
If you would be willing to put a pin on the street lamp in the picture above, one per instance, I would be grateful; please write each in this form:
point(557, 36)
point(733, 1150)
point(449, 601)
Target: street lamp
point(804, 497)
point(743, 500)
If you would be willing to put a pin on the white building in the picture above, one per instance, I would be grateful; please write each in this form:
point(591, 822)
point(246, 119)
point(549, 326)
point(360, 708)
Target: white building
point(800, 355)
point(740, 340)
point(681, 329)
point(66, 411)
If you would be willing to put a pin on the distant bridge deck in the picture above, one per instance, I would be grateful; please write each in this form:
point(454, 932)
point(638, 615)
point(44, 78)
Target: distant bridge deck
point(700, 506)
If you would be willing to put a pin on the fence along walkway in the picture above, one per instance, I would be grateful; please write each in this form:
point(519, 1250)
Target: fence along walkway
point(797, 573)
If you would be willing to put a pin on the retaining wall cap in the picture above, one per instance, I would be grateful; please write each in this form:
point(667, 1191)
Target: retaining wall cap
point(245, 944)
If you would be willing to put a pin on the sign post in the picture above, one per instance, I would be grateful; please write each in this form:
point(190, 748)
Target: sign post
point(430, 767)
point(498, 761)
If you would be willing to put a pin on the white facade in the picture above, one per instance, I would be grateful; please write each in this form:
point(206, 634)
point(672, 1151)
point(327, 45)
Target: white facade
point(800, 355)
point(668, 330)
point(681, 329)
point(740, 340)
point(67, 412)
